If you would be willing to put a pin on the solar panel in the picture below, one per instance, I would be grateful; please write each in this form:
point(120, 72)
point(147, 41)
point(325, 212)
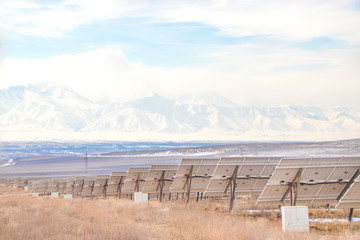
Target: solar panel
point(160, 179)
point(100, 185)
point(38, 186)
point(316, 180)
point(199, 170)
point(135, 179)
point(43, 187)
point(78, 185)
point(31, 185)
point(35, 186)
point(53, 185)
point(241, 176)
point(22, 182)
point(116, 183)
point(62, 186)
point(252, 174)
point(70, 186)
point(88, 186)
point(250, 186)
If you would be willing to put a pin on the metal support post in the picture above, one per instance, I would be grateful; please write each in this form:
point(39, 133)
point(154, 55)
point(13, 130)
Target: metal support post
point(137, 185)
point(161, 190)
point(297, 178)
point(105, 189)
point(232, 195)
point(291, 194)
point(328, 207)
point(232, 185)
point(351, 218)
point(119, 190)
point(169, 197)
point(92, 189)
point(188, 192)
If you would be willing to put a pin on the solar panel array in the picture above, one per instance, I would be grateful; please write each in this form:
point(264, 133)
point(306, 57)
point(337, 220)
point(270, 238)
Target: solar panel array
point(273, 180)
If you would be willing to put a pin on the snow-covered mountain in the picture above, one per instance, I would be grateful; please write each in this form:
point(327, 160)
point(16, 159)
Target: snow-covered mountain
point(58, 109)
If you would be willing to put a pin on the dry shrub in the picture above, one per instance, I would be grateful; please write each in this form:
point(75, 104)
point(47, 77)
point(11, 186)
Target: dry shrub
point(335, 213)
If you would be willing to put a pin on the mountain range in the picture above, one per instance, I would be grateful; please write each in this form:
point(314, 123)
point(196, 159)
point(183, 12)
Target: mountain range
point(56, 109)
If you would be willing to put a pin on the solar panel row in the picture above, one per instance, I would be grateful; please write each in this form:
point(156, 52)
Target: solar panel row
point(273, 180)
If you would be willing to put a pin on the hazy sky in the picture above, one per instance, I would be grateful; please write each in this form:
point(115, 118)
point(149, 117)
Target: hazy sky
point(261, 52)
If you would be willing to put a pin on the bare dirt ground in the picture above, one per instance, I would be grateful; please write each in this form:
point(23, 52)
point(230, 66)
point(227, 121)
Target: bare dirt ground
point(25, 217)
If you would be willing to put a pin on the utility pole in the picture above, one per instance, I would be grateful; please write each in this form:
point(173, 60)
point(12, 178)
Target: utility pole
point(86, 163)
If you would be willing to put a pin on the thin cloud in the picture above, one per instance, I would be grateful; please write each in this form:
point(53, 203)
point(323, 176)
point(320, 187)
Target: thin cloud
point(294, 21)
point(301, 20)
point(59, 18)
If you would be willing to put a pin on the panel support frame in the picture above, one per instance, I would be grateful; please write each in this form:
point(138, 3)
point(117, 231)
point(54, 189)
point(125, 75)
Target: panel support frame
point(348, 185)
point(296, 178)
point(188, 186)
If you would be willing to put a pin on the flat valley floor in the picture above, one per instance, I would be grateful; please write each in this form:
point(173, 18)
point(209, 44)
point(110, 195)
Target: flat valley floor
point(15, 160)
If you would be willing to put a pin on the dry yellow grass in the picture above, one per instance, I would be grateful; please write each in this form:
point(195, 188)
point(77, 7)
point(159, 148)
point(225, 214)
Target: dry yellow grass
point(6, 191)
point(25, 217)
